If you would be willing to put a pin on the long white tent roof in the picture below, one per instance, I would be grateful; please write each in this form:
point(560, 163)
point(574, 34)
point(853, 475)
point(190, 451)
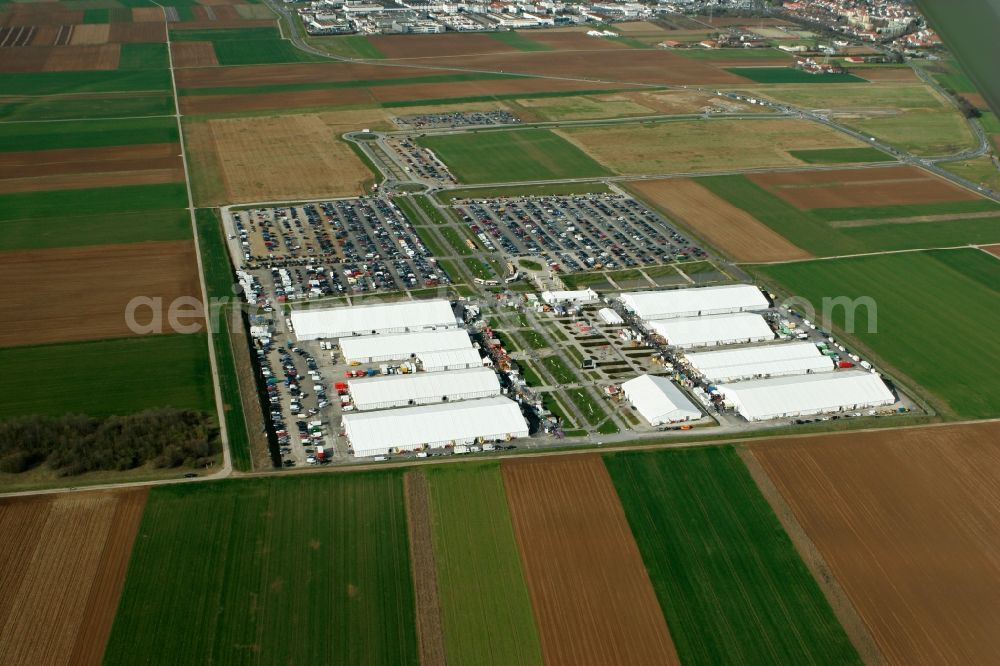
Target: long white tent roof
point(452, 358)
point(695, 301)
point(762, 399)
point(714, 329)
point(658, 400)
point(578, 296)
point(793, 358)
point(409, 427)
point(402, 345)
point(376, 318)
point(423, 387)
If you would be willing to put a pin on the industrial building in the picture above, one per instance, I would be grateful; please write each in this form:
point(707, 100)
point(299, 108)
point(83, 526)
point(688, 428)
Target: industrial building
point(610, 317)
point(659, 400)
point(434, 426)
point(761, 361)
point(694, 302)
point(804, 395)
point(578, 296)
point(450, 359)
point(713, 330)
point(378, 318)
point(387, 391)
point(401, 346)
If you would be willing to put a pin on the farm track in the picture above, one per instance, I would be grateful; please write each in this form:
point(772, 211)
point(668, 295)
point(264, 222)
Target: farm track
point(593, 601)
point(430, 632)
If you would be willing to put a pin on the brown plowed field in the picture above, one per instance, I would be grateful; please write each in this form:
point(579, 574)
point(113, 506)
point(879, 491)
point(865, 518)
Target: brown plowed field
point(454, 44)
point(96, 33)
point(46, 35)
point(193, 54)
point(280, 157)
point(40, 15)
point(426, 91)
point(147, 14)
point(138, 32)
point(993, 249)
point(81, 293)
point(592, 597)
point(140, 173)
point(63, 561)
point(861, 187)
point(574, 41)
point(304, 99)
point(625, 65)
point(67, 160)
point(267, 75)
point(30, 59)
point(732, 230)
point(70, 58)
point(430, 632)
point(909, 523)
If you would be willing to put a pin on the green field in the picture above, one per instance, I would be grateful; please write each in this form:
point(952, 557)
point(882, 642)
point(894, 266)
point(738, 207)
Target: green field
point(15, 137)
point(98, 229)
point(225, 35)
point(66, 108)
point(105, 377)
point(589, 407)
point(559, 370)
point(921, 132)
point(143, 56)
point(303, 570)
point(534, 339)
point(841, 155)
point(511, 156)
point(456, 241)
point(937, 317)
point(486, 610)
point(92, 201)
point(219, 281)
point(350, 46)
point(260, 52)
point(810, 231)
point(731, 585)
point(519, 41)
point(791, 75)
point(479, 268)
point(52, 83)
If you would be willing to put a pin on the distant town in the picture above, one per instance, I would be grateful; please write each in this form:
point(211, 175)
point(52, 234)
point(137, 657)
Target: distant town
point(892, 23)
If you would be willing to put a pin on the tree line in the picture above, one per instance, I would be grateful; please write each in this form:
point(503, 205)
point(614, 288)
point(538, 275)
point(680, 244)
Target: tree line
point(75, 444)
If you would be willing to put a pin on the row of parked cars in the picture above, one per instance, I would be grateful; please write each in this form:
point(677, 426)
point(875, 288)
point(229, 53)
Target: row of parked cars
point(421, 161)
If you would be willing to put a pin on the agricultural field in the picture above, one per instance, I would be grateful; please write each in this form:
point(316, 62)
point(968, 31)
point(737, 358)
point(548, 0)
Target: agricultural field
point(63, 566)
point(93, 305)
point(593, 600)
point(308, 569)
point(626, 104)
point(854, 211)
point(728, 578)
point(271, 158)
point(515, 155)
point(792, 75)
point(700, 145)
point(137, 373)
point(731, 230)
point(936, 314)
point(891, 513)
point(484, 598)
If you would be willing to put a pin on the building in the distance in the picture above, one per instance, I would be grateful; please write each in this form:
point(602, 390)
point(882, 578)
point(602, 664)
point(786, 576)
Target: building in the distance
point(806, 395)
point(659, 400)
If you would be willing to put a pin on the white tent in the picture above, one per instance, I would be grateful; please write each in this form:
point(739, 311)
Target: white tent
point(658, 400)
point(775, 360)
point(728, 329)
point(578, 296)
point(372, 319)
point(695, 301)
point(399, 346)
point(451, 359)
point(423, 388)
point(802, 395)
point(610, 317)
point(434, 426)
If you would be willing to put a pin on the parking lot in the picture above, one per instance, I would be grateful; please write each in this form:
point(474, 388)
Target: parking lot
point(457, 119)
point(577, 233)
point(347, 246)
point(418, 162)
